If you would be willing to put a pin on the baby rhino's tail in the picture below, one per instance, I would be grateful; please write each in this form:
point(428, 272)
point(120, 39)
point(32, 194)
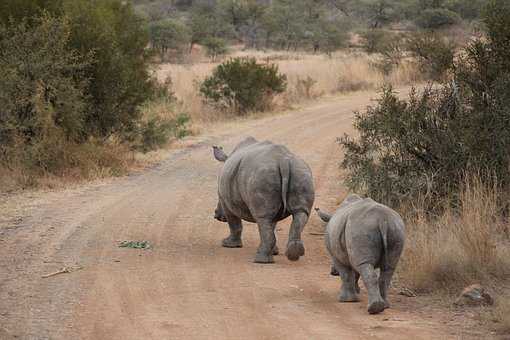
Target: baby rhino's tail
point(393, 237)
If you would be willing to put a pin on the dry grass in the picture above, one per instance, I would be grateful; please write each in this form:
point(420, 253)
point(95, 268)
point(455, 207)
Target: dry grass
point(499, 315)
point(451, 251)
point(343, 72)
point(471, 245)
point(65, 164)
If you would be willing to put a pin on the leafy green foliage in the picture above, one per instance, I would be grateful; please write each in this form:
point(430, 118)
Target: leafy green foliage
point(435, 18)
point(304, 24)
point(216, 47)
point(241, 84)
point(168, 34)
point(42, 83)
point(156, 131)
point(206, 21)
point(27, 10)
point(135, 244)
point(377, 12)
point(119, 77)
point(375, 40)
point(425, 145)
point(435, 54)
point(73, 74)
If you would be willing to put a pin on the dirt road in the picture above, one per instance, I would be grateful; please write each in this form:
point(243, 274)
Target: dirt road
point(187, 286)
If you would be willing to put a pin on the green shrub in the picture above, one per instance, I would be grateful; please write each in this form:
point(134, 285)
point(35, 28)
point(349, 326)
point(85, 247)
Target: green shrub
point(435, 54)
point(423, 147)
point(119, 77)
point(435, 18)
point(216, 47)
point(241, 84)
point(110, 35)
point(169, 35)
point(467, 9)
point(42, 83)
point(27, 10)
point(73, 74)
point(156, 131)
point(392, 54)
point(375, 40)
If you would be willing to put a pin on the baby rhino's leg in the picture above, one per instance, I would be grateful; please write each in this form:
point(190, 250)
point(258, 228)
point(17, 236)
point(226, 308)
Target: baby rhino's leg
point(348, 289)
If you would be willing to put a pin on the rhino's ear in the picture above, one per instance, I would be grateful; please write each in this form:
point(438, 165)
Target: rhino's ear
point(219, 154)
point(324, 216)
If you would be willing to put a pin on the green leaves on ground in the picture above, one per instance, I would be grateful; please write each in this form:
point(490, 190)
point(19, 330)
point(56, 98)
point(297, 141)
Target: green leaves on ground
point(135, 244)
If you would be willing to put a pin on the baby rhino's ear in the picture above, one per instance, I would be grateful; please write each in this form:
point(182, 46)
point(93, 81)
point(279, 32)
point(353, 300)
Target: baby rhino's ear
point(324, 216)
point(219, 154)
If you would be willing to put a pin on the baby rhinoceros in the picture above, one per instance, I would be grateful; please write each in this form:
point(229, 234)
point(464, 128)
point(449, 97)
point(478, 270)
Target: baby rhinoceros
point(361, 236)
point(264, 183)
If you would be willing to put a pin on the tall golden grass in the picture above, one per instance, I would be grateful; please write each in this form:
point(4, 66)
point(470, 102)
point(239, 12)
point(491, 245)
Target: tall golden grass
point(462, 246)
point(61, 163)
point(467, 245)
point(342, 72)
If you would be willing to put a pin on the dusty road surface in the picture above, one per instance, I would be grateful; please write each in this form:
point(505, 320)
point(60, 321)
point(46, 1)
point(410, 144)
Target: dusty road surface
point(187, 286)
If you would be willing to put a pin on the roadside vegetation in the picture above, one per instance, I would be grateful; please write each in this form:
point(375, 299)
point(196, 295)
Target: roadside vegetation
point(442, 157)
point(88, 86)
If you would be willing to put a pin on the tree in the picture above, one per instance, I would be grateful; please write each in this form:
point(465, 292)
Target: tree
point(423, 147)
point(437, 18)
point(206, 21)
point(119, 76)
point(378, 12)
point(19, 10)
point(242, 84)
point(215, 47)
point(168, 34)
point(42, 83)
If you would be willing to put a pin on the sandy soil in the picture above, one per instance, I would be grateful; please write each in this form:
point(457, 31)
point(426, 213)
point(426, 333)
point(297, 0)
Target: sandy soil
point(187, 286)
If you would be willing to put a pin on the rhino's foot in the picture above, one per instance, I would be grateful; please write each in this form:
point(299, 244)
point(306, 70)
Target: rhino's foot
point(276, 251)
point(263, 258)
point(347, 297)
point(295, 249)
point(231, 242)
point(386, 304)
point(376, 307)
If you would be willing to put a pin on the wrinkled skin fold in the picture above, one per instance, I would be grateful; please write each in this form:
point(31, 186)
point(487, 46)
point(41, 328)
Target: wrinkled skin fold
point(363, 235)
point(264, 183)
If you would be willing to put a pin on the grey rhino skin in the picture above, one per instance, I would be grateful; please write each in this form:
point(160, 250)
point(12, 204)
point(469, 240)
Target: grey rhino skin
point(264, 183)
point(363, 235)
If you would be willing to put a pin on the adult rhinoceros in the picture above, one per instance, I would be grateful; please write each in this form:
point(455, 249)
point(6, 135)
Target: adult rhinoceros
point(363, 235)
point(264, 183)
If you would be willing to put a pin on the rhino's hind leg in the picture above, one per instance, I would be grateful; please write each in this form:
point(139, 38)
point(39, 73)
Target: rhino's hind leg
point(295, 247)
point(348, 289)
point(370, 279)
point(267, 242)
point(276, 251)
point(384, 284)
point(356, 282)
point(236, 229)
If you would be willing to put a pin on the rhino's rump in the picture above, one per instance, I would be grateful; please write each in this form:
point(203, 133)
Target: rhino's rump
point(253, 187)
point(250, 185)
point(358, 233)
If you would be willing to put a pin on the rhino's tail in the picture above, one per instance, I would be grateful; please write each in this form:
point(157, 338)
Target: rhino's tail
point(383, 229)
point(285, 176)
point(392, 251)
